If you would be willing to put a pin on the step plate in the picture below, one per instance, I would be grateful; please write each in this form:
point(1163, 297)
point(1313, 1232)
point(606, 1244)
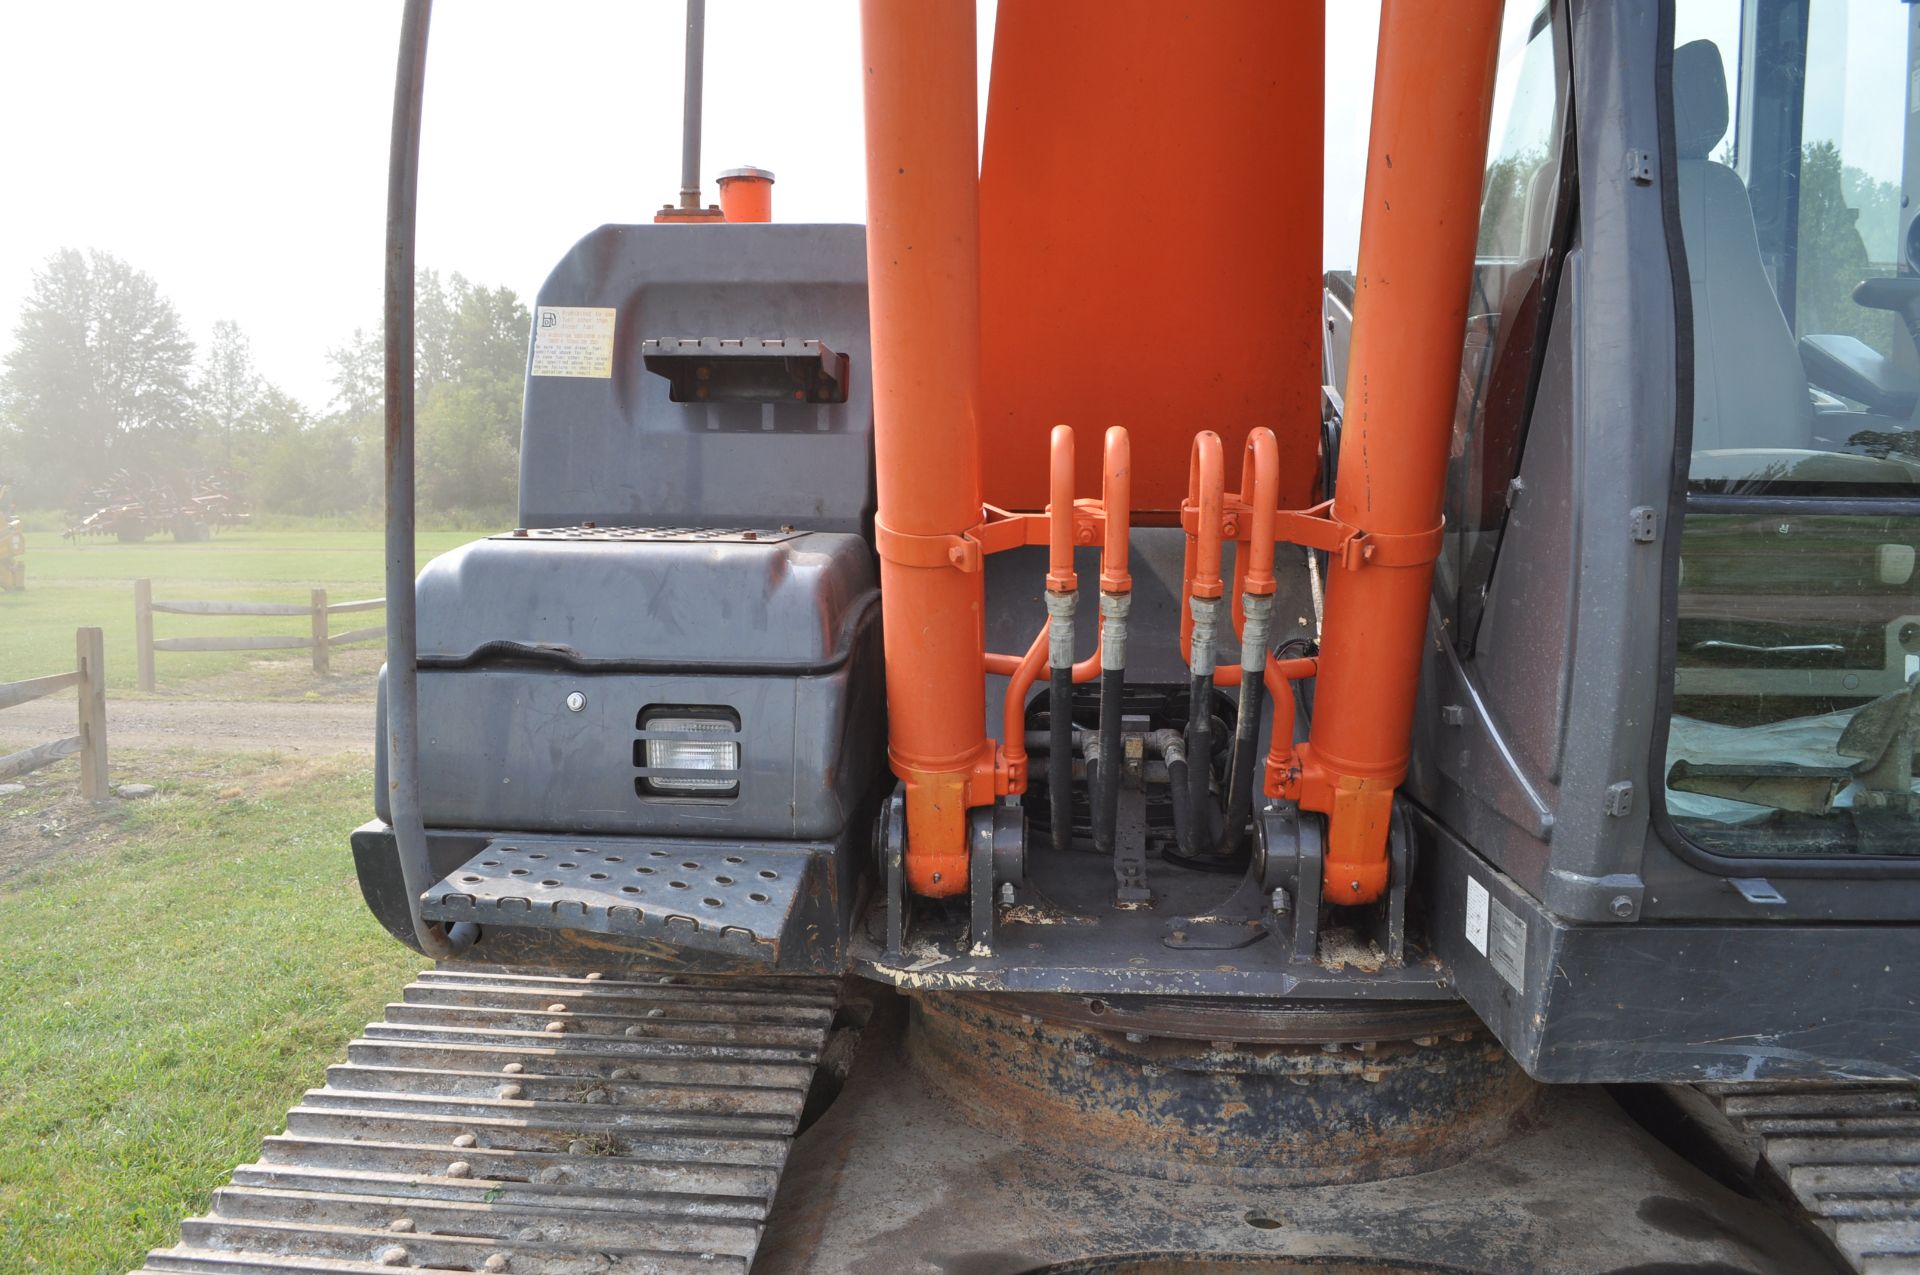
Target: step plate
point(735, 901)
point(507, 1119)
point(1850, 1154)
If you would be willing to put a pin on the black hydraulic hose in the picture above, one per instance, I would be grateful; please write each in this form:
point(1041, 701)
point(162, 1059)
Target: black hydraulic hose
point(1170, 748)
point(1200, 765)
point(1106, 784)
point(403, 680)
point(1060, 758)
point(1258, 610)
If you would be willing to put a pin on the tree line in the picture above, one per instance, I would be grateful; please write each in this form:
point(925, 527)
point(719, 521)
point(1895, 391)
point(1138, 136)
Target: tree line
point(102, 377)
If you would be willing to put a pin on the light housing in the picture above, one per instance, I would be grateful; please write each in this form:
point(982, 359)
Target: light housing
point(688, 751)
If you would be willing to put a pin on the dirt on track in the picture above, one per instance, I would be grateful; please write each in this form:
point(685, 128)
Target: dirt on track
point(314, 728)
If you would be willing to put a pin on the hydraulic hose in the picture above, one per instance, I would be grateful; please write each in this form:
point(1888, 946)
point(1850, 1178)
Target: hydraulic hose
point(1206, 494)
point(403, 648)
point(1116, 602)
point(1063, 599)
point(1259, 490)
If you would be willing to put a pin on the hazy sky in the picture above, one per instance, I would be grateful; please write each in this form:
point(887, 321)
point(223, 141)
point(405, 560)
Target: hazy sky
point(236, 150)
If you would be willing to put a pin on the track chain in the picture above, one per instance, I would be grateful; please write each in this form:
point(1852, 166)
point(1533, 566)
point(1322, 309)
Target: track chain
point(520, 1121)
point(1850, 1155)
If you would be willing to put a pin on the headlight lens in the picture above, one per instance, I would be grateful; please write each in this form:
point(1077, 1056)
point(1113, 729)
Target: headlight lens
point(704, 744)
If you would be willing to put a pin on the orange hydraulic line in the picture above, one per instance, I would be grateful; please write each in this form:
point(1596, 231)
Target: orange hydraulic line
point(1433, 94)
point(1260, 488)
point(1206, 494)
point(1116, 501)
point(1060, 576)
point(923, 270)
point(1025, 670)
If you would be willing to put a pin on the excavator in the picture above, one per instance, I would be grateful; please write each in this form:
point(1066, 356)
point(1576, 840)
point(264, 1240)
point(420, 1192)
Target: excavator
point(1047, 733)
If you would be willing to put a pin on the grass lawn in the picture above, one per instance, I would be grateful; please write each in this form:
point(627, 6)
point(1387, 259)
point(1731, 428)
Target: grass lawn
point(90, 582)
point(178, 970)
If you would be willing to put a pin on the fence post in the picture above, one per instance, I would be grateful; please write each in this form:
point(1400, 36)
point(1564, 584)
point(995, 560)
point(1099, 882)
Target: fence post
point(143, 631)
point(90, 658)
point(320, 657)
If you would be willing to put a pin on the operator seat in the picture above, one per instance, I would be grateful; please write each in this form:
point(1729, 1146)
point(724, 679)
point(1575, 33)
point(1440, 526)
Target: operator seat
point(1749, 390)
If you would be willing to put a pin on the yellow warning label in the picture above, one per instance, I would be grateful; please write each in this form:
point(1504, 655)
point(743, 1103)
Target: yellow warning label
point(573, 340)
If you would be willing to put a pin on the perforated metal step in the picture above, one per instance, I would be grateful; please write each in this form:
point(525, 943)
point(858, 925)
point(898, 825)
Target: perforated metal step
point(1849, 1153)
point(514, 1120)
point(738, 902)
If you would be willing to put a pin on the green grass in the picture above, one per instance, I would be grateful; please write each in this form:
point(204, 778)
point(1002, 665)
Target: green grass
point(71, 584)
point(177, 971)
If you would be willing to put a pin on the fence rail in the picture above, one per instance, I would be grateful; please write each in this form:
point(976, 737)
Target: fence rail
point(319, 638)
point(89, 677)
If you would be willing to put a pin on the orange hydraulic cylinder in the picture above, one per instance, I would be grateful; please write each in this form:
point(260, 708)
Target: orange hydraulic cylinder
point(1433, 93)
point(923, 269)
point(746, 195)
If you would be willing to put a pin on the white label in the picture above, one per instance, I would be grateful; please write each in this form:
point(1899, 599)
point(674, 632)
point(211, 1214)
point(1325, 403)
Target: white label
point(1507, 945)
point(1477, 915)
point(573, 340)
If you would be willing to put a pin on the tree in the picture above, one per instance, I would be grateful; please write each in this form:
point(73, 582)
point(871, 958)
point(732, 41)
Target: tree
point(98, 375)
point(230, 390)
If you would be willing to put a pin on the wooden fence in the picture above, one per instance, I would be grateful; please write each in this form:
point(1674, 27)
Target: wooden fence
point(319, 639)
point(90, 677)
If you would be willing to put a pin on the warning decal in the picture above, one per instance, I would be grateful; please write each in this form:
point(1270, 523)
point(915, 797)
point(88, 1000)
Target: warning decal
point(1477, 915)
point(1507, 944)
point(573, 340)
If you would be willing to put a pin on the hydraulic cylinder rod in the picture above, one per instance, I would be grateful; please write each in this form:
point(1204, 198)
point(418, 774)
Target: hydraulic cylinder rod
point(1433, 93)
point(923, 269)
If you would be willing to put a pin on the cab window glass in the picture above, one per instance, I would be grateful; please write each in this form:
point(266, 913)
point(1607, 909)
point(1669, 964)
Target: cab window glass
point(1798, 633)
point(1505, 318)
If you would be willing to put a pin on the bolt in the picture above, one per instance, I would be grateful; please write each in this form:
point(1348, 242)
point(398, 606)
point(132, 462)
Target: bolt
point(394, 1257)
point(1006, 893)
point(599, 1096)
point(520, 531)
point(620, 1073)
point(1426, 1042)
point(513, 1069)
point(576, 701)
point(459, 1169)
point(1136, 1038)
point(1622, 906)
point(594, 977)
point(400, 1225)
point(556, 1026)
point(553, 1174)
point(556, 1008)
point(656, 1013)
point(1178, 936)
point(1281, 902)
point(578, 1147)
point(466, 1140)
point(496, 1262)
point(511, 1091)
point(636, 1030)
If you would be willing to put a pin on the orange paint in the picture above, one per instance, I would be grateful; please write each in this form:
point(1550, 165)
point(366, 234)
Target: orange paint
point(1433, 93)
point(1060, 574)
point(1116, 503)
point(923, 268)
point(746, 195)
point(1150, 238)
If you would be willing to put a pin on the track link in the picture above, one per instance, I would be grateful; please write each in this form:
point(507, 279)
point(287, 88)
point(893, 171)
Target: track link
point(1850, 1155)
point(505, 1119)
